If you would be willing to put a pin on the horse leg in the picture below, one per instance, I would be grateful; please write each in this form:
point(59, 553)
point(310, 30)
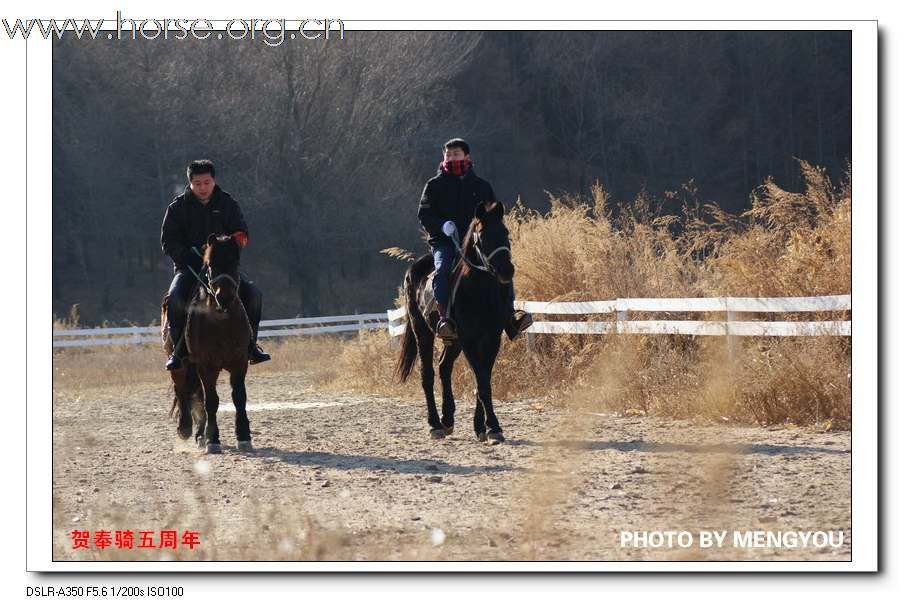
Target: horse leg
point(446, 363)
point(480, 427)
point(183, 401)
point(482, 362)
point(484, 391)
point(200, 416)
point(425, 352)
point(194, 394)
point(211, 403)
point(239, 400)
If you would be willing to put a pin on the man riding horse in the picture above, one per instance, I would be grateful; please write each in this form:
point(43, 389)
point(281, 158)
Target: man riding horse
point(201, 210)
point(446, 210)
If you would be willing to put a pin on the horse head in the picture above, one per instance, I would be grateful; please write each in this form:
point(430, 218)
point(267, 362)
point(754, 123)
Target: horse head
point(222, 259)
point(488, 238)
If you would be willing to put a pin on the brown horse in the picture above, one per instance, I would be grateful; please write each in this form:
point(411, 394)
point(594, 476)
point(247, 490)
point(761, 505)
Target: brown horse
point(217, 336)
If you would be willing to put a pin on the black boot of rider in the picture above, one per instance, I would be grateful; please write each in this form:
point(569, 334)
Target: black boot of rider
point(175, 360)
point(256, 354)
point(173, 363)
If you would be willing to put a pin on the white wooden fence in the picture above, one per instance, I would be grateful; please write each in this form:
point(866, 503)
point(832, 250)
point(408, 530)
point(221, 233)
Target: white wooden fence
point(731, 307)
point(394, 320)
point(287, 327)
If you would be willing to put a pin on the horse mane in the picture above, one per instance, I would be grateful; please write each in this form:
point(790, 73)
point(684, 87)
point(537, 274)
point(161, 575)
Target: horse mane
point(466, 244)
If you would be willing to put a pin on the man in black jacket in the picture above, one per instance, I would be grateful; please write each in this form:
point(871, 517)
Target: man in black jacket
point(448, 202)
point(201, 210)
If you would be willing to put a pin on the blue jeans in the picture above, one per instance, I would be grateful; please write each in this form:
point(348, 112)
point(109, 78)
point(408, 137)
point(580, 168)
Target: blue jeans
point(443, 262)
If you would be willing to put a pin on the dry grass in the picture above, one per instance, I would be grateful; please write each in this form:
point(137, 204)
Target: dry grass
point(787, 244)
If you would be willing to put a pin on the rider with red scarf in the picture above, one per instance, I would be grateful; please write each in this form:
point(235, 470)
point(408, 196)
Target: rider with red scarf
point(446, 209)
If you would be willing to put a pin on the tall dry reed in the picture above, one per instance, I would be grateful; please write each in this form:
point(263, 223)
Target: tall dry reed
point(591, 248)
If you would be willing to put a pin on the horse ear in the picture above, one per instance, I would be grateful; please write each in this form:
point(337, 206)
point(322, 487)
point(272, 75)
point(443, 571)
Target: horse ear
point(211, 239)
point(498, 210)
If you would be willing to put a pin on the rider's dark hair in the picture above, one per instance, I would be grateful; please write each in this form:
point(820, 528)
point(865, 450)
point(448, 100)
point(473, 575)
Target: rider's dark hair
point(457, 143)
point(200, 166)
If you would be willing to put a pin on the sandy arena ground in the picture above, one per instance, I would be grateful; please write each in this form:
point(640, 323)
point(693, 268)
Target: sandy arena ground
point(352, 477)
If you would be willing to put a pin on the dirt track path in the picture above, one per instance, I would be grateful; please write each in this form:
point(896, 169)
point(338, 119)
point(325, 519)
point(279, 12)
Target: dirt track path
point(352, 477)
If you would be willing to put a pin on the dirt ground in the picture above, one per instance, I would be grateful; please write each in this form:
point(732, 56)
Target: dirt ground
point(344, 477)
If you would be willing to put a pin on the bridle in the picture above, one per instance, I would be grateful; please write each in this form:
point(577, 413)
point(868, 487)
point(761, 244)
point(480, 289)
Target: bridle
point(487, 266)
point(485, 259)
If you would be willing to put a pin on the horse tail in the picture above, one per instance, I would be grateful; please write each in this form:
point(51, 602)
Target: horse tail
point(407, 354)
point(408, 351)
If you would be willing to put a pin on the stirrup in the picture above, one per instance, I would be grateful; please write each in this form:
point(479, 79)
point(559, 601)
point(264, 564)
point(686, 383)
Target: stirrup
point(445, 330)
point(173, 363)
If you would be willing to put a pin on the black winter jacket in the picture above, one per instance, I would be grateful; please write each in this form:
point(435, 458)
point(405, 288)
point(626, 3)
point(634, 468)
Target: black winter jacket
point(448, 197)
point(188, 223)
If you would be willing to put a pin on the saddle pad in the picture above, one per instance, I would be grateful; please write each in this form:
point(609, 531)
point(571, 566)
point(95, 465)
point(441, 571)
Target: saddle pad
point(425, 298)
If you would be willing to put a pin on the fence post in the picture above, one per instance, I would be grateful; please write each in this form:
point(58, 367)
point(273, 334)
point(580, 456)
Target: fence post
point(529, 342)
point(621, 315)
point(360, 326)
point(731, 340)
point(392, 339)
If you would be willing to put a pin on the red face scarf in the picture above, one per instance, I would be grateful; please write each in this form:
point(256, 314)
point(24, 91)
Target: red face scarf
point(457, 167)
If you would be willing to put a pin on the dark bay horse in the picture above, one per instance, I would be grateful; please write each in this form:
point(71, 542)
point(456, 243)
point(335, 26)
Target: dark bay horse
point(217, 336)
point(479, 314)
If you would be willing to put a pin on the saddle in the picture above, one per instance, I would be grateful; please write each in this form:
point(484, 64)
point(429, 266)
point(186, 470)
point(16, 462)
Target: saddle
point(427, 301)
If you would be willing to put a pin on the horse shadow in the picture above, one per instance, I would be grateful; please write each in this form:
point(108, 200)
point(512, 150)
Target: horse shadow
point(375, 463)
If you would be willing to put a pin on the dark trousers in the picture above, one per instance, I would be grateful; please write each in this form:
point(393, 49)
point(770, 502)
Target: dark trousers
point(443, 262)
point(182, 289)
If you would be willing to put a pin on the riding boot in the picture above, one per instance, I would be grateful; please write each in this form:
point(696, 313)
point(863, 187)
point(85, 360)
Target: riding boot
point(179, 351)
point(255, 353)
point(518, 323)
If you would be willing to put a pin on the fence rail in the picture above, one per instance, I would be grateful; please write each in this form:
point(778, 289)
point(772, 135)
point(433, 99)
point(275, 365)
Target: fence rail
point(394, 320)
point(291, 327)
point(730, 326)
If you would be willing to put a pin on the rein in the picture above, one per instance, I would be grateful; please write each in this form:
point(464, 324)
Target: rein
point(217, 279)
point(208, 286)
point(487, 266)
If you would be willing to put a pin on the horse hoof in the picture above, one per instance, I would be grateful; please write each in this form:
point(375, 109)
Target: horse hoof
point(437, 434)
point(214, 449)
point(482, 437)
point(245, 445)
point(184, 434)
point(448, 430)
point(495, 438)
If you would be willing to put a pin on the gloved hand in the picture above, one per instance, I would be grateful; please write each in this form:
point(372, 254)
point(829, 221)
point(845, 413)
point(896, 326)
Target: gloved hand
point(449, 229)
